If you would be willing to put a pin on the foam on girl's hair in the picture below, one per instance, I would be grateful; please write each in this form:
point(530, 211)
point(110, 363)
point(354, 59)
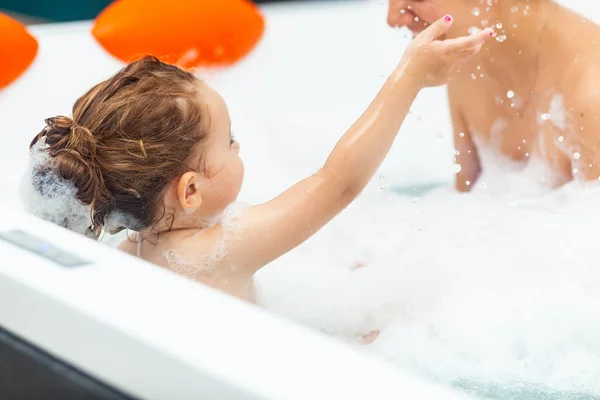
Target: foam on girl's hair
point(117, 220)
point(47, 195)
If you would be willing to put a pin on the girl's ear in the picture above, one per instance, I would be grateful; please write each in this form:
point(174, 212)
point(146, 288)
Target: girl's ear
point(188, 192)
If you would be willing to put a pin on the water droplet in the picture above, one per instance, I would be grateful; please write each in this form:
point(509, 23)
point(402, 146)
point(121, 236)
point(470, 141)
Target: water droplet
point(468, 183)
point(473, 76)
point(475, 12)
point(403, 11)
point(545, 117)
point(576, 155)
point(416, 19)
point(499, 25)
point(456, 168)
point(461, 134)
point(501, 38)
point(561, 139)
point(473, 30)
point(510, 94)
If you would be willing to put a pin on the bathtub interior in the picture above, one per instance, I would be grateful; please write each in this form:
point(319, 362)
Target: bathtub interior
point(492, 292)
point(80, 320)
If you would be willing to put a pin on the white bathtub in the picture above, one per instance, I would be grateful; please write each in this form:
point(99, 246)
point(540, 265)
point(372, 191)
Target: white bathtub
point(314, 72)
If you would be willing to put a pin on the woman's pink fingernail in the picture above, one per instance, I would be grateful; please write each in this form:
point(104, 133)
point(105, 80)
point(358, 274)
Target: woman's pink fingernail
point(491, 33)
point(447, 18)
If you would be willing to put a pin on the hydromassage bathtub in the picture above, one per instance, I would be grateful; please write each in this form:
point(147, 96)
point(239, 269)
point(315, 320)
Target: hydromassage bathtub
point(106, 325)
point(131, 329)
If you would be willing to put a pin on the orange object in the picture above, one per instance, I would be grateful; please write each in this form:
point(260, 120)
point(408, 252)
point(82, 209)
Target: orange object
point(17, 49)
point(188, 33)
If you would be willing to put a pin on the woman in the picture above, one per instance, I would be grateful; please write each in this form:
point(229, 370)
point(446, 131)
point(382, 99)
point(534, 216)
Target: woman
point(532, 94)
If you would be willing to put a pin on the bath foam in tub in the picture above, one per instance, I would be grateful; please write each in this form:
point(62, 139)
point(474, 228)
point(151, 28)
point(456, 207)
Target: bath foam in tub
point(186, 33)
point(496, 291)
point(17, 49)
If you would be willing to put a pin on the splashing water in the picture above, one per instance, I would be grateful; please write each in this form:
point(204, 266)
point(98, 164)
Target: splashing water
point(496, 291)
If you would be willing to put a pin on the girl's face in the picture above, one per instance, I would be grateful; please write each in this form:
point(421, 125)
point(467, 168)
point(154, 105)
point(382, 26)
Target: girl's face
point(223, 167)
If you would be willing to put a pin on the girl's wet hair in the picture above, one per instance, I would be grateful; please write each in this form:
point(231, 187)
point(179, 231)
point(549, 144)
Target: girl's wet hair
point(129, 138)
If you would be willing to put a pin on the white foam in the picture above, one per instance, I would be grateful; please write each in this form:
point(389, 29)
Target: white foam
point(189, 211)
point(499, 287)
point(197, 267)
point(193, 267)
point(231, 215)
point(46, 195)
point(117, 219)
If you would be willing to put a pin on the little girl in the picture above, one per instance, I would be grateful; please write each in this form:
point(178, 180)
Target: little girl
point(151, 150)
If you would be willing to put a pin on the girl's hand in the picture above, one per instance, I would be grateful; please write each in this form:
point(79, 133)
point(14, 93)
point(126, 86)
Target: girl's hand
point(431, 61)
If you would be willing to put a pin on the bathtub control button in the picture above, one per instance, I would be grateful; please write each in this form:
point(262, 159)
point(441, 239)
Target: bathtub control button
point(39, 246)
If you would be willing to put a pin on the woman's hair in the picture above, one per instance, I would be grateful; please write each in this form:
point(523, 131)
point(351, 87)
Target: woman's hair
point(129, 138)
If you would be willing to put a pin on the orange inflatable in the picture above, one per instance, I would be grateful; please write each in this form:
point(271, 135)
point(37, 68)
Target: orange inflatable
point(17, 49)
point(188, 33)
